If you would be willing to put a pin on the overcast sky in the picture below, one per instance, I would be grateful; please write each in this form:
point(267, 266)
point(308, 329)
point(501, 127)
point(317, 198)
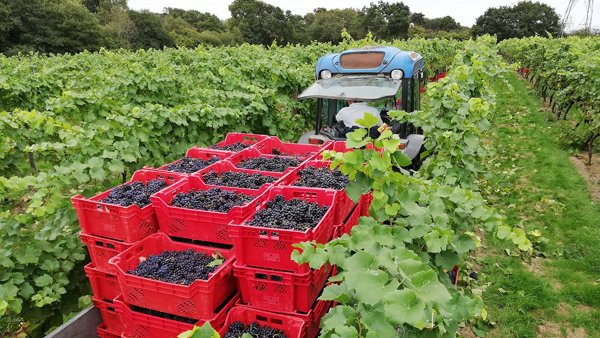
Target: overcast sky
point(464, 11)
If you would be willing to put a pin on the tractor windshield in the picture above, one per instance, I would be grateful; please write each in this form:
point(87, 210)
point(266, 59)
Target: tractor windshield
point(359, 87)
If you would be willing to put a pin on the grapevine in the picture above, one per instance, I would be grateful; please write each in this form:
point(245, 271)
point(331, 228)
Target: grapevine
point(566, 75)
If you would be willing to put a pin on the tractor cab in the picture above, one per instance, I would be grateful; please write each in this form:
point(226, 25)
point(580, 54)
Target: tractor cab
point(387, 78)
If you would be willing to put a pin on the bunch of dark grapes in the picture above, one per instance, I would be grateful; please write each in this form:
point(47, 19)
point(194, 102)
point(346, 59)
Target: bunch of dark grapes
point(452, 276)
point(211, 200)
point(282, 153)
point(164, 315)
point(237, 330)
point(277, 163)
point(294, 214)
point(238, 179)
point(177, 267)
point(191, 165)
point(235, 147)
point(136, 193)
point(321, 178)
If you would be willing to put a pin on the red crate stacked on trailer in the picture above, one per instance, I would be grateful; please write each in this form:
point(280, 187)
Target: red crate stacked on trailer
point(163, 307)
point(235, 142)
point(292, 327)
point(200, 225)
point(269, 280)
point(108, 229)
point(201, 158)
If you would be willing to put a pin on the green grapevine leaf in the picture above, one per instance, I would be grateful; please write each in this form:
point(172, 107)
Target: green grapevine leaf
point(368, 120)
point(403, 306)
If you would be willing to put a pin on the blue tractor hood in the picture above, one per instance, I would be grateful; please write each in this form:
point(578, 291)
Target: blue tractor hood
point(371, 60)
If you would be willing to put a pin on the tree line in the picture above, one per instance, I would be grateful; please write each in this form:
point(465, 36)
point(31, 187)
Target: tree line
point(70, 26)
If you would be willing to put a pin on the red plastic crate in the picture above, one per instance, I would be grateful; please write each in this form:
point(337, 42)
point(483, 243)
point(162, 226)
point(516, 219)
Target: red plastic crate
point(280, 291)
point(200, 153)
point(201, 225)
point(105, 286)
point(110, 317)
point(198, 300)
point(312, 319)
point(141, 325)
point(349, 223)
point(128, 224)
point(337, 146)
point(249, 139)
point(274, 144)
point(252, 153)
point(270, 248)
point(225, 166)
point(102, 249)
point(343, 204)
point(365, 203)
point(103, 332)
point(292, 327)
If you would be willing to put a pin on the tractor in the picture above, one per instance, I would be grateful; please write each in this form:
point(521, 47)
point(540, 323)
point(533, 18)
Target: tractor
point(385, 77)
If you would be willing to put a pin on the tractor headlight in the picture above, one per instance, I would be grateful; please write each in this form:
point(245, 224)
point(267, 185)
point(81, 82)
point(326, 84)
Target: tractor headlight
point(325, 74)
point(396, 74)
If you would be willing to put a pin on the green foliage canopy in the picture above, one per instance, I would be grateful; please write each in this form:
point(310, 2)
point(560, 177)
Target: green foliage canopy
point(524, 19)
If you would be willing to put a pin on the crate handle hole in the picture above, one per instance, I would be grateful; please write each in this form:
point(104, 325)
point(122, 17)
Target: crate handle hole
point(261, 276)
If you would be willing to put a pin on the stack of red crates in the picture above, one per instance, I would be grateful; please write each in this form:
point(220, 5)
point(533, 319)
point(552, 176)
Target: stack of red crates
point(275, 291)
point(108, 230)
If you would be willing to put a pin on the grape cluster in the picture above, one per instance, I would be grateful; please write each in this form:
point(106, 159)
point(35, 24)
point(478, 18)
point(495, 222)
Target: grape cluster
point(238, 179)
point(452, 276)
point(321, 178)
point(294, 214)
point(136, 193)
point(283, 153)
point(191, 165)
point(235, 147)
point(177, 267)
point(277, 163)
point(211, 200)
point(164, 315)
point(237, 330)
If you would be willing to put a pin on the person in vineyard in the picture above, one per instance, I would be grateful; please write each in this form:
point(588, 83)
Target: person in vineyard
point(356, 110)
